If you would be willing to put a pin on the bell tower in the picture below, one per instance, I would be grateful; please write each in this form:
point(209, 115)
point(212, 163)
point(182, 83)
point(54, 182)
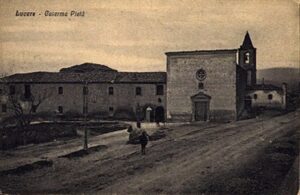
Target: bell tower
point(247, 59)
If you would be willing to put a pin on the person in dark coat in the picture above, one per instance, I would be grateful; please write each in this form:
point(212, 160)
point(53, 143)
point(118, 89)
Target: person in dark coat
point(144, 138)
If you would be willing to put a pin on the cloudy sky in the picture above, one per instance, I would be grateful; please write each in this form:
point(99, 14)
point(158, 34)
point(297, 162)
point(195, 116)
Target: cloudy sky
point(133, 35)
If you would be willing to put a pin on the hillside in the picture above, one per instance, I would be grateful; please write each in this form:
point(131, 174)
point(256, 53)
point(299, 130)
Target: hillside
point(277, 76)
point(87, 67)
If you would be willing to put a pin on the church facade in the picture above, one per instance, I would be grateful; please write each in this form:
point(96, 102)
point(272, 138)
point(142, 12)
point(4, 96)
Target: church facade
point(209, 84)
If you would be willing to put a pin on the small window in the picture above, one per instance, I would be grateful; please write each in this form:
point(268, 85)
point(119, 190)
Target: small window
point(159, 90)
point(138, 91)
point(85, 90)
point(0, 91)
point(4, 108)
point(60, 109)
point(111, 109)
point(159, 100)
point(255, 96)
point(27, 92)
point(200, 86)
point(110, 91)
point(270, 96)
point(60, 90)
point(12, 90)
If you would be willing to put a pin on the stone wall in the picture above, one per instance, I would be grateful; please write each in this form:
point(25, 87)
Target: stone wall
point(99, 101)
point(241, 85)
point(262, 99)
point(220, 83)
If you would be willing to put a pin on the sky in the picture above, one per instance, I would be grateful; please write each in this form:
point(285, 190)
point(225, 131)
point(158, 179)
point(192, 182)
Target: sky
point(133, 35)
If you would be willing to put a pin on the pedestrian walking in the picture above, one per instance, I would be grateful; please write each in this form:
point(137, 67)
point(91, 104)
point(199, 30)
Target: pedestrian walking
point(144, 138)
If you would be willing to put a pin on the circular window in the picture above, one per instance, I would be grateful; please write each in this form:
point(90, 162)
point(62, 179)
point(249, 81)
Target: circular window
point(201, 75)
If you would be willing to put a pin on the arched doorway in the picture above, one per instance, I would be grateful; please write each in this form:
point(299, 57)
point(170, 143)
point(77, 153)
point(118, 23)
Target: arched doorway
point(200, 103)
point(159, 114)
point(148, 113)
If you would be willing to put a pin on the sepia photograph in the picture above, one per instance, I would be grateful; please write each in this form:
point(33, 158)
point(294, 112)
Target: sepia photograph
point(149, 97)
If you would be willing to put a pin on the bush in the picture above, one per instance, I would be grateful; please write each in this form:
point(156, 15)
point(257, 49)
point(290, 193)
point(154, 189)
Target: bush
point(134, 135)
point(10, 120)
point(99, 115)
point(124, 114)
point(38, 133)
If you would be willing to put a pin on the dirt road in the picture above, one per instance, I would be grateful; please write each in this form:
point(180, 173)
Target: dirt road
point(198, 158)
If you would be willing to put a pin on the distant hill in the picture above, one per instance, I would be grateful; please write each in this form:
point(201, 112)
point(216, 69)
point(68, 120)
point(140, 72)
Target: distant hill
point(87, 67)
point(277, 76)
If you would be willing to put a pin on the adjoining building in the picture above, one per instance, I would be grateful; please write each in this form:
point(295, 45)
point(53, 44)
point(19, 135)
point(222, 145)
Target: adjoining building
point(200, 85)
point(266, 96)
point(91, 89)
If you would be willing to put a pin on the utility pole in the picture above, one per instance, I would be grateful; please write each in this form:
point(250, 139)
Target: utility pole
point(138, 112)
point(85, 105)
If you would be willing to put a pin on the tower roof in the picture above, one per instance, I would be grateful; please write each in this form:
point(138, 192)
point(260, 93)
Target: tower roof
point(247, 43)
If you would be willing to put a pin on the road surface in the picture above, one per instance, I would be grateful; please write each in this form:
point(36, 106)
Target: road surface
point(197, 158)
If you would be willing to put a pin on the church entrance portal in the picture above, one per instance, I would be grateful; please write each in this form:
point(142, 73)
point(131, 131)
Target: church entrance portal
point(200, 103)
point(201, 111)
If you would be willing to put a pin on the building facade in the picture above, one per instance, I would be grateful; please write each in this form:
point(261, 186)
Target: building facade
point(201, 85)
point(267, 96)
point(209, 84)
point(90, 89)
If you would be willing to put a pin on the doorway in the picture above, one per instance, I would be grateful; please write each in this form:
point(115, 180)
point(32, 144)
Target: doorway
point(159, 114)
point(200, 108)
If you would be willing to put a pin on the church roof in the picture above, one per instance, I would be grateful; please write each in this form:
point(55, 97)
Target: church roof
point(217, 51)
point(247, 43)
point(87, 73)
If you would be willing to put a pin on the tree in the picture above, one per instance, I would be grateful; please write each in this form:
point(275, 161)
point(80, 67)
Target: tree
point(23, 107)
